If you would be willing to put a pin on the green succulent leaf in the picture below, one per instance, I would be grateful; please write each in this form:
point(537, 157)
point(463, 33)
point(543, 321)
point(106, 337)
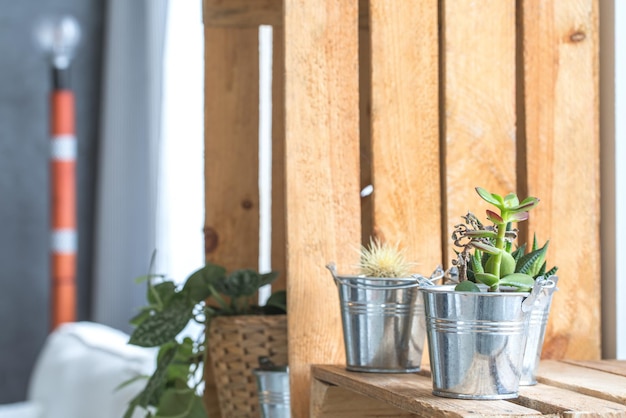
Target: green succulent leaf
point(492, 198)
point(494, 217)
point(551, 272)
point(487, 278)
point(487, 248)
point(518, 280)
point(511, 200)
point(526, 263)
point(526, 205)
point(467, 286)
point(481, 233)
point(519, 252)
point(518, 216)
point(535, 242)
point(507, 264)
point(477, 265)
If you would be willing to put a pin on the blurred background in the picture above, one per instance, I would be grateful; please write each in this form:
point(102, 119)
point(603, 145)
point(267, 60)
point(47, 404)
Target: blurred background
point(137, 77)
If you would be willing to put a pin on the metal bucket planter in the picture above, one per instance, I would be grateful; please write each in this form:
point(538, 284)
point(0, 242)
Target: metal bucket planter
point(477, 340)
point(273, 391)
point(536, 333)
point(383, 322)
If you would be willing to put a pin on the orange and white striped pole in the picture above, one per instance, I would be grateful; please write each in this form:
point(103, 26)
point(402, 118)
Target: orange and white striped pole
point(63, 206)
point(58, 37)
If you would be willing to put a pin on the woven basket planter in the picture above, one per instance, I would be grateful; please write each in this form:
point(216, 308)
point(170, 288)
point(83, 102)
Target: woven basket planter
point(235, 344)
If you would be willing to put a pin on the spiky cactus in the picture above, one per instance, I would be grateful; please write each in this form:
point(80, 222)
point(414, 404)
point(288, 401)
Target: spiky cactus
point(382, 259)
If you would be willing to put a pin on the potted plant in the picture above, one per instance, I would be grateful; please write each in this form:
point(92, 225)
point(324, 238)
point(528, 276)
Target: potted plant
point(382, 311)
point(478, 329)
point(215, 300)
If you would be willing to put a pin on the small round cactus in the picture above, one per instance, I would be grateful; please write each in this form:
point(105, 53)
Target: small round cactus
point(381, 259)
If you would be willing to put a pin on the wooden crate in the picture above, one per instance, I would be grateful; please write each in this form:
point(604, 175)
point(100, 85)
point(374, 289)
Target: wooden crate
point(565, 389)
point(423, 99)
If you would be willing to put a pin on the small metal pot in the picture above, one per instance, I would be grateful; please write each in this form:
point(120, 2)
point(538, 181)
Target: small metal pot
point(477, 340)
point(383, 322)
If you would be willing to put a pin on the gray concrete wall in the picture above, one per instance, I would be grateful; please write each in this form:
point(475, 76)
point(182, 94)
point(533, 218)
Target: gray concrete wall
point(24, 193)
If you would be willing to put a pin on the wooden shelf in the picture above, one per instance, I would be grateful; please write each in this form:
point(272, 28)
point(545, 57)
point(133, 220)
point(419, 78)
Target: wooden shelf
point(566, 388)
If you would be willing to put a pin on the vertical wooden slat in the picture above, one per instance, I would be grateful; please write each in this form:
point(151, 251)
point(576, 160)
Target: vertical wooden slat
point(231, 147)
point(405, 127)
point(479, 103)
point(231, 156)
point(322, 178)
point(279, 261)
point(562, 160)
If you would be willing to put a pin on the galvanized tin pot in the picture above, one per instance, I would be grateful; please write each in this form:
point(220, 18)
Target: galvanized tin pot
point(477, 340)
point(536, 334)
point(383, 322)
point(273, 391)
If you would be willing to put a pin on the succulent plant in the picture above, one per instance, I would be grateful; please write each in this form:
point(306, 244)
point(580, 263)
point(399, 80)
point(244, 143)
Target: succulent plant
point(487, 254)
point(382, 259)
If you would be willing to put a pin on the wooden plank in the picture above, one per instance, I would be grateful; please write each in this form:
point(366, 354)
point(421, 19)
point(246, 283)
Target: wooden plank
point(231, 147)
point(405, 128)
point(279, 249)
point(242, 13)
point(562, 162)
point(231, 157)
point(554, 400)
point(610, 366)
point(413, 393)
point(583, 380)
point(322, 178)
point(329, 401)
point(478, 64)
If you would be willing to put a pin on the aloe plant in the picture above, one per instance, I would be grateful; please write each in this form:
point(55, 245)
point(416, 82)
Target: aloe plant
point(487, 254)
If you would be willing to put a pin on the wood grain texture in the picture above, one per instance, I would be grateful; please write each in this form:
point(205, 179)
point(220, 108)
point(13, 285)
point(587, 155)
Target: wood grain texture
point(330, 401)
point(550, 399)
point(562, 162)
point(583, 380)
point(322, 178)
point(242, 13)
point(617, 367)
point(413, 393)
point(231, 157)
point(279, 248)
point(478, 63)
point(405, 128)
point(231, 147)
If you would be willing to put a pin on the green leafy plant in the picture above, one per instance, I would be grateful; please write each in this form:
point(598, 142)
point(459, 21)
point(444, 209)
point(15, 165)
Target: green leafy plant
point(175, 387)
point(382, 259)
point(487, 254)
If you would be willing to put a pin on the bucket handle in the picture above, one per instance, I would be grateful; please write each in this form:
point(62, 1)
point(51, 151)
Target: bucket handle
point(416, 279)
point(542, 289)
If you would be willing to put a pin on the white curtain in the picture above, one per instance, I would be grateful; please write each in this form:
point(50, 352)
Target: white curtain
point(125, 234)
point(180, 205)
